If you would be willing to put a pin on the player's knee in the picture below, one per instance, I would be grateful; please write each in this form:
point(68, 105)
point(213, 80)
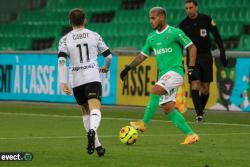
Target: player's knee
point(94, 104)
point(84, 108)
point(154, 90)
point(158, 90)
point(205, 90)
point(168, 107)
point(195, 85)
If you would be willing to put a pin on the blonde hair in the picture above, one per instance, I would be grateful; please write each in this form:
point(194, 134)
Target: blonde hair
point(159, 9)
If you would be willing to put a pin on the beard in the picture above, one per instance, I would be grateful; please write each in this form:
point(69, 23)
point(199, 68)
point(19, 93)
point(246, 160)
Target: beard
point(154, 28)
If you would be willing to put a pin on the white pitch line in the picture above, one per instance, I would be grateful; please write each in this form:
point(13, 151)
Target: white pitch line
point(114, 136)
point(117, 119)
point(39, 115)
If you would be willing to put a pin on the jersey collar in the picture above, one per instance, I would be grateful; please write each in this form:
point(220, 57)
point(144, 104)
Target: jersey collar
point(162, 30)
point(79, 29)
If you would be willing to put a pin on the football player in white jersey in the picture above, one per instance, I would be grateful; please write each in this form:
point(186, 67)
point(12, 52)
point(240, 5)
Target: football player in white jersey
point(82, 47)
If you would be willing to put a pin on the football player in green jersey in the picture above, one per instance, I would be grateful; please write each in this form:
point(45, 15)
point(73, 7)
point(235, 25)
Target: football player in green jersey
point(166, 42)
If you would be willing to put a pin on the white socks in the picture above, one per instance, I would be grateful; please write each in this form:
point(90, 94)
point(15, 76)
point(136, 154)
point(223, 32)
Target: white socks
point(85, 119)
point(86, 124)
point(97, 142)
point(95, 119)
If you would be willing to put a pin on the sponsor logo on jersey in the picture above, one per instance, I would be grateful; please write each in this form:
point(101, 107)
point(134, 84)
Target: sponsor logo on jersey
point(163, 50)
point(77, 68)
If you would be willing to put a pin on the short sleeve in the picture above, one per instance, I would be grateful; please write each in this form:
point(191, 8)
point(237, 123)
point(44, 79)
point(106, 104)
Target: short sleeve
point(183, 39)
point(146, 50)
point(101, 46)
point(62, 47)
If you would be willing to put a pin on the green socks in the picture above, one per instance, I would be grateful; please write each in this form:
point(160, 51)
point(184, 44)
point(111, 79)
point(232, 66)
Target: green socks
point(174, 116)
point(151, 108)
point(180, 122)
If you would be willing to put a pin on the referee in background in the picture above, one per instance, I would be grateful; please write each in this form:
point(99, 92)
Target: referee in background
point(197, 27)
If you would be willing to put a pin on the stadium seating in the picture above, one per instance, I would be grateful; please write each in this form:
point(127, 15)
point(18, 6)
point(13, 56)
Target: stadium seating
point(89, 6)
point(15, 43)
point(128, 16)
point(129, 25)
point(228, 29)
point(170, 4)
point(244, 43)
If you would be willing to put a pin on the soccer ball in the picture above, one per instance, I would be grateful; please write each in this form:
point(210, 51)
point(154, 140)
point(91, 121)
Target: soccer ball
point(128, 135)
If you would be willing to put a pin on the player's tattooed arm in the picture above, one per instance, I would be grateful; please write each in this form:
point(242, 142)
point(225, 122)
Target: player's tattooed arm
point(137, 60)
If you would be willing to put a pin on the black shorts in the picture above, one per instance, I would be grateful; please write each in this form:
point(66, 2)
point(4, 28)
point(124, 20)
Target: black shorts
point(87, 91)
point(205, 66)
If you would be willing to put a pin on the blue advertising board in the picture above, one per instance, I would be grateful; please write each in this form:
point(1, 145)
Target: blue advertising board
point(33, 77)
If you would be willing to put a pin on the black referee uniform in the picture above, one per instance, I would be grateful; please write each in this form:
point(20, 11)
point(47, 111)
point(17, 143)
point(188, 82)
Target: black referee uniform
point(198, 31)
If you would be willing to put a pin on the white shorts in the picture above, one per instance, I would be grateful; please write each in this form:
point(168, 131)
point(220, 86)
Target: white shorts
point(170, 81)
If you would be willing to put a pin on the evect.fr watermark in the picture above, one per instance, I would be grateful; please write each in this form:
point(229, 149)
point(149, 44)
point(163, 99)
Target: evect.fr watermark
point(16, 156)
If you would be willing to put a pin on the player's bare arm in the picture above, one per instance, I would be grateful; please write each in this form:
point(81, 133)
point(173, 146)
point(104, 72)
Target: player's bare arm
point(62, 70)
point(108, 57)
point(65, 88)
point(137, 60)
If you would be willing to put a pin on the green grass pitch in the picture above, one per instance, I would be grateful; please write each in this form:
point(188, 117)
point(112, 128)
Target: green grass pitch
point(54, 134)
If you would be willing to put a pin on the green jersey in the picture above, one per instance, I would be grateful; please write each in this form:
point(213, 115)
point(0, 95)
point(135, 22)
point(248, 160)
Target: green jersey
point(167, 46)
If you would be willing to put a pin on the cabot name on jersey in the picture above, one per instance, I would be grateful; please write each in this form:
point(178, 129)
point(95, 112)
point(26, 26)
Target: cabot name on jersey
point(80, 36)
point(163, 50)
point(83, 67)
